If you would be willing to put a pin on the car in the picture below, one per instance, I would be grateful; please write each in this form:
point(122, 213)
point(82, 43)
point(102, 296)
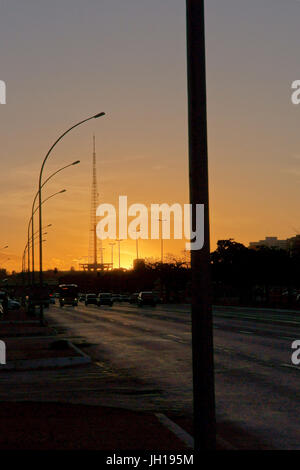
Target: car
point(13, 304)
point(90, 299)
point(124, 298)
point(146, 298)
point(81, 298)
point(133, 298)
point(3, 296)
point(105, 298)
point(116, 297)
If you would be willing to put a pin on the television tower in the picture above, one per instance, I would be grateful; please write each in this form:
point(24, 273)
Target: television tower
point(94, 243)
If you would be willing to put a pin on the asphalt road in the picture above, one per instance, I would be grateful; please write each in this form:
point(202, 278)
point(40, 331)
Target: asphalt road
point(257, 387)
point(142, 360)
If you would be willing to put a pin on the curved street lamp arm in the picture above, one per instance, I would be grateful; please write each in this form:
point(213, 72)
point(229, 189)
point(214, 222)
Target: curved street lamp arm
point(40, 194)
point(60, 137)
point(30, 220)
point(49, 178)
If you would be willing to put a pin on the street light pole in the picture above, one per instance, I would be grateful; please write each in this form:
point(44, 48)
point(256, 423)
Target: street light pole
point(40, 197)
point(119, 242)
point(137, 244)
point(202, 332)
point(112, 255)
point(27, 247)
point(23, 266)
point(40, 190)
point(32, 233)
point(32, 251)
point(40, 241)
point(161, 241)
point(33, 211)
point(101, 254)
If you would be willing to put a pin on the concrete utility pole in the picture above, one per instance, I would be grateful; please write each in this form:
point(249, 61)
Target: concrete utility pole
point(202, 336)
point(112, 255)
point(161, 241)
point(137, 244)
point(119, 240)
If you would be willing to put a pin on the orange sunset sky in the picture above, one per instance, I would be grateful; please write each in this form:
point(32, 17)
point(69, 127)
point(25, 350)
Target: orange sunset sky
point(65, 60)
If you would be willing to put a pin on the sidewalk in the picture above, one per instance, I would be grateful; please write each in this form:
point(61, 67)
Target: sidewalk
point(64, 426)
point(43, 352)
point(17, 323)
point(61, 426)
point(26, 425)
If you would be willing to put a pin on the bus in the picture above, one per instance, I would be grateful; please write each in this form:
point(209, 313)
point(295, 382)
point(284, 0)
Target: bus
point(68, 294)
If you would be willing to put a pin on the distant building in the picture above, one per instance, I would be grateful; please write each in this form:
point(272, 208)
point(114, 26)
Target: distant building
point(294, 245)
point(270, 242)
point(290, 244)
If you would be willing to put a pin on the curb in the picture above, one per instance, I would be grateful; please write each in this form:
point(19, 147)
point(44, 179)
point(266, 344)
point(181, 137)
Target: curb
point(256, 309)
point(185, 437)
point(51, 362)
point(180, 433)
point(265, 321)
point(19, 322)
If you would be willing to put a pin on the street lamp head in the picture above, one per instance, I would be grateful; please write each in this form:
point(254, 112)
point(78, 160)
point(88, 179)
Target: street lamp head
point(76, 163)
point(99, 115)
point(49, 225)
point(62, 191)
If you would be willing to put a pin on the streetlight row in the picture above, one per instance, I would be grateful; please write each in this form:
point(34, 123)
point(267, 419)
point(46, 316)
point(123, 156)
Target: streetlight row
point(27, 246)
point(96, 116)
point(34, 209)
point(31, 222)
point(40, 202)
point(137, 249)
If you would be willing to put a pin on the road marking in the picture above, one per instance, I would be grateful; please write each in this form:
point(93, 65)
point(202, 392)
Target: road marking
point(246, 332)
point(264, 319)
point(173, 336)
point(291, 366)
